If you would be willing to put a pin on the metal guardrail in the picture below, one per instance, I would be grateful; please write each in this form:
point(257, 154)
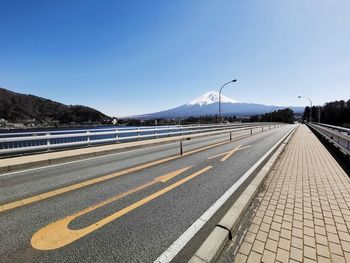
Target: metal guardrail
point(339, 136)
point(337, 128)
point(14, 143)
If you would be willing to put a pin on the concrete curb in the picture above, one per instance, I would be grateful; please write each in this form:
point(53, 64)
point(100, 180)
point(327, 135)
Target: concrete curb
point(46, 159)
point(211, 248)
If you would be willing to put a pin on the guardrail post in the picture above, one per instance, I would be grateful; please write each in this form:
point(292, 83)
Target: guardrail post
point(116, 136)
point(269, 127)
point(48, 143)
point(88, 137)
point(156, 133)
point(181, 151)
point(230, 136)
point(138, 134)
point(251, 131)
point(262, 128)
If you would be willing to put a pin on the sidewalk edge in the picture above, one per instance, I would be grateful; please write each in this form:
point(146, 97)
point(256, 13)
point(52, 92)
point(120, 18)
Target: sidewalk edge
point(211, 248)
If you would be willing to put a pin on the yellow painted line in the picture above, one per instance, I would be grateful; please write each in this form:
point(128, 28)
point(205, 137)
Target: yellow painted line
point(11, 205)
point(225, 153)
point(169, 176)
point(229, 153)
point(43, 196)
point(233, 151)
point(57, 234)
point(31, 200)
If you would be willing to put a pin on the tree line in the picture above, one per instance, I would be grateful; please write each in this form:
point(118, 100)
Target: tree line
point(285, 115)
point(333, 113)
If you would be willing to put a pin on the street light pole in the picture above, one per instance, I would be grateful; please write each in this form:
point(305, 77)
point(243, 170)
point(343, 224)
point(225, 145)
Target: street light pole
point(234, 80)
point(302, 97)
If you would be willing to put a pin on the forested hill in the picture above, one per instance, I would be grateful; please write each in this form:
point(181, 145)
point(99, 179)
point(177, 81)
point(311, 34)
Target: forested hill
point(16, 107)
point(334, 113)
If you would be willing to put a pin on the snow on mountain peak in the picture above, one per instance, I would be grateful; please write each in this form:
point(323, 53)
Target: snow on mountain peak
point(209, 98)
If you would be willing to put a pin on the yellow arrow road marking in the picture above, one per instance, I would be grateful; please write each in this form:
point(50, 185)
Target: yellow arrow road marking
point(58, 234)
point(225, 153)
point(43, 196)
point(229, 153)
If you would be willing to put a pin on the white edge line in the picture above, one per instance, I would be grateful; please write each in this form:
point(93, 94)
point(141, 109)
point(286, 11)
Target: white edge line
point(182, 241)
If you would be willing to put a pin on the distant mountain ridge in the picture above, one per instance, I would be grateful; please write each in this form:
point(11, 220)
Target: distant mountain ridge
point(208, 104)
point(17, 107)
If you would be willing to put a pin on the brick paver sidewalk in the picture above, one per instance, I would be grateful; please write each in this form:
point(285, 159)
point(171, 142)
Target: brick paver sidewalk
point(304, 214)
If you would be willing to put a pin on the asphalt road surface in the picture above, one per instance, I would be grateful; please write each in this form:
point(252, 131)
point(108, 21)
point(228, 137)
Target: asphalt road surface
point(125, 207)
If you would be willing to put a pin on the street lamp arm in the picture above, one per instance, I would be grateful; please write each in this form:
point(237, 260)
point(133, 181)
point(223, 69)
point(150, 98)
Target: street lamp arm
point(303, 97)
point(225, 85)
point(307, 99)
point(234, 80)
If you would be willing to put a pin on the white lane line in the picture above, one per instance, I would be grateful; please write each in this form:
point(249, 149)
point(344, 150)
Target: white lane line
point(182, 241)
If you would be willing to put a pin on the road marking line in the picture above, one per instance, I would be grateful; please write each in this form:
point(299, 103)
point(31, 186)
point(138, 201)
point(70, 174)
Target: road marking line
point(57, 234)
point(225, 153)
point(229, 153)
point(174, 249)
point(43, 196)
point(233, 151)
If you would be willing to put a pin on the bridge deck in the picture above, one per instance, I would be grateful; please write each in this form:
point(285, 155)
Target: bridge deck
point(303, 211)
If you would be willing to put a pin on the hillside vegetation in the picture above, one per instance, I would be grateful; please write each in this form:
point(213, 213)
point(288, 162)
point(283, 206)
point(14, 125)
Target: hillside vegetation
point(16, 107)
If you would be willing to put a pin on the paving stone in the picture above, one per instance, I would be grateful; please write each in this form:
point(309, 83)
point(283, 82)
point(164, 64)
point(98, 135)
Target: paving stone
point(245, 248)
point(258, 246)
point(268, 257)
point(262, 236)
point(240, 258)
point(284, 243)
point(297, 242)
point(271, 245)
point(335, 248)
point(254, 257)
point(296, 254)
point(282, 255)
point(310, 252)
point(322, 250)
point(304, 211)
point(309, 241)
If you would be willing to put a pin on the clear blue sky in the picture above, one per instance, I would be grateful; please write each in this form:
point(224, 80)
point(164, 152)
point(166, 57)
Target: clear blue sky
point(128, 57)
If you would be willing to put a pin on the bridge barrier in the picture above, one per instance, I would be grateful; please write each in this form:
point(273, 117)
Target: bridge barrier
point(339, 136)
point(24, 142)
point(9, 164)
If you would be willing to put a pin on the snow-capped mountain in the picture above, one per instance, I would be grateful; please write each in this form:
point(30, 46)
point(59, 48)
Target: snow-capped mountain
point(208, 104)
point(210, 98)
